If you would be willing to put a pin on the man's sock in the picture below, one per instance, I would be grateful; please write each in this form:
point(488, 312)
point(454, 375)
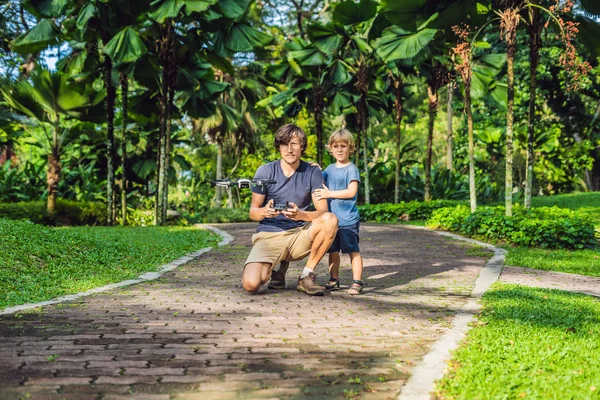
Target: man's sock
point(305, 272)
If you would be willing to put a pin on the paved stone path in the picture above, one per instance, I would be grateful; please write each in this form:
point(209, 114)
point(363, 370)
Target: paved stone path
point(195, 334)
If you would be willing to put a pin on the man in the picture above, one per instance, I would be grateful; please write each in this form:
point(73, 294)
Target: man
point(293, 233)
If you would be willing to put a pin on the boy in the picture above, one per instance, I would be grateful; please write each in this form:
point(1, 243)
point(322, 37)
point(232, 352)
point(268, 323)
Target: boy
point(340, 189)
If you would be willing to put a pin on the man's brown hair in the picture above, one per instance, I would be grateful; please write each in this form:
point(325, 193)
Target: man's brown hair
point(285, 134)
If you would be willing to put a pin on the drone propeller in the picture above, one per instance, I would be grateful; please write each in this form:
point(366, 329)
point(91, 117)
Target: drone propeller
point(243, 183)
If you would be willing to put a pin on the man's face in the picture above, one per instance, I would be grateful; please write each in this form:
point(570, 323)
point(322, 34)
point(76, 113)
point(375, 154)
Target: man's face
point(291, 152)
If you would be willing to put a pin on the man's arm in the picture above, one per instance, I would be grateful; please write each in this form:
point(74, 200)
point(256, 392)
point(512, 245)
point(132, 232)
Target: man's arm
point(257, 211)
point(298, 215)
point(347, 193)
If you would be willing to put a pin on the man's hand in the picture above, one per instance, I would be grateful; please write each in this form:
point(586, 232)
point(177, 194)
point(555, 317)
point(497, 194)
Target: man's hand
point(269, 211)
point(324, 193)
point(293, 212)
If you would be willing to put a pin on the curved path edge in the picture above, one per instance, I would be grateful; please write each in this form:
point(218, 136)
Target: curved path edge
point(421, 383)
point(148, 276)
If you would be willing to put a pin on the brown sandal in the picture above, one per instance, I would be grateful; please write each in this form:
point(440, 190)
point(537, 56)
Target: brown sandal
point(356, 288)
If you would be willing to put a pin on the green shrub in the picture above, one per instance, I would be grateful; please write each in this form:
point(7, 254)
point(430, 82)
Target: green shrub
point(545, 227)
point(450, 219)
point(67, 213)
point(412, 210)
point(138, 217)
point(216, 215)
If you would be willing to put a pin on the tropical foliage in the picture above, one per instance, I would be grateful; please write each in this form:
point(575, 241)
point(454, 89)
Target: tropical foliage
point(139, 105)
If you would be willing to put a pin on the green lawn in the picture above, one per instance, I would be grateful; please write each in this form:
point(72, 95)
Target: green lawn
point(586, 204)
point(39, 263)
point(528, 343)
point(584, 262)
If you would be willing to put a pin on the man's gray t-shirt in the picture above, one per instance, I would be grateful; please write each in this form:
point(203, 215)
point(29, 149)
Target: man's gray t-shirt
point(297, 189)
point(337, 178)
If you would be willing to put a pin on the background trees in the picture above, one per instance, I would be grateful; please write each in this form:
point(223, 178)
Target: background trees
point(197, 89)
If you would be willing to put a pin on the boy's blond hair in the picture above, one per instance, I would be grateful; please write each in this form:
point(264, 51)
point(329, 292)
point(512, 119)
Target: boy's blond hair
point(344, 136)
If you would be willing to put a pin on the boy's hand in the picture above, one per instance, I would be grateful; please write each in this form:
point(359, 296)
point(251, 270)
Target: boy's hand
point(291, 213)
point(269, 211)
point(324, 193)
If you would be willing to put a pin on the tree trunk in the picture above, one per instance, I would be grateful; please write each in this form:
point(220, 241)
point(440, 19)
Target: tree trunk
point(433, 103)
point(167, 155)
point(110, 143)
point(160, 176)
point(472, 191)
point(124, 95)
point(8, 152)
point(319, 130)
point(53, 172)
point(398, 108)
point(158, 194)
point(366, 166)
point(219, 190)
point(449, 137)
point(363, 122)
point(319, 100)
point(509, 128)
point(535, 28)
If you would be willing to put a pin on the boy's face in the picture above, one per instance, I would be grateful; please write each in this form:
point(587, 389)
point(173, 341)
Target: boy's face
point(341, 151)
point(291, 152)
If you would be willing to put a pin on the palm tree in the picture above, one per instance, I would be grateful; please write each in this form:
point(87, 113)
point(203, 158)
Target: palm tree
point(214, 31)
point(352, 24)
point(101, 36)
point(47, 99)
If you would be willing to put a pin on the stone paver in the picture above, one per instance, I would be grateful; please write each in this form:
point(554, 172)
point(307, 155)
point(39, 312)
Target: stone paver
point(195, 334)
point(551, 280)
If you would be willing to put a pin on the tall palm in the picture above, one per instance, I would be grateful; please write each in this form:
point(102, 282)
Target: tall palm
point(352, 24)
point(47, 99)
point(213, 30)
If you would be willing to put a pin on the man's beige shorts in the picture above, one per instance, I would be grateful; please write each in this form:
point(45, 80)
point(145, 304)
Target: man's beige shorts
point(273, 247)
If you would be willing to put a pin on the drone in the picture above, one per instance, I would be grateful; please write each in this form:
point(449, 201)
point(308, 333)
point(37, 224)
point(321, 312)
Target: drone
point(243, 183)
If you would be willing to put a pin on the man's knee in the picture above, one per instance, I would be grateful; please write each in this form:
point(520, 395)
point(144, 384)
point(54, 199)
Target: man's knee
point(251, 284)
point(328, 221)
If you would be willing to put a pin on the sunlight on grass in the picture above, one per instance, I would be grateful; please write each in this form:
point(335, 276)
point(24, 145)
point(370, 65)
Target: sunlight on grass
point(40, 263)
point(584, 262)
point(586, 204)
point(528, 343)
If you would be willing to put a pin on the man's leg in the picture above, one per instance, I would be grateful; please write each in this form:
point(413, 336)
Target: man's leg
point(277, 281)
point(322, 232)
point(255, 275)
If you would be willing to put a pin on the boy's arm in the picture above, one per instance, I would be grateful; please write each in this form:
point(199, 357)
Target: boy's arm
point(347, 193)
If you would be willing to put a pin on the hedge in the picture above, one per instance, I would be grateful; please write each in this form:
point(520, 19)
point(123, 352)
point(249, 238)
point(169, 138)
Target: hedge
point(545, 227)
point(412, 210)
point(66, 212)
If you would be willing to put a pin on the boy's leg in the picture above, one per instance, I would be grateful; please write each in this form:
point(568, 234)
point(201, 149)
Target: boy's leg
point(254, 275)
point(357, 266)
point(334, 271)
point(334, 265)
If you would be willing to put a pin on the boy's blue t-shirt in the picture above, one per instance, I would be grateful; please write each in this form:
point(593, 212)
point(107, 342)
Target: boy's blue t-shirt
point(297, 189)
point(338, 179)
